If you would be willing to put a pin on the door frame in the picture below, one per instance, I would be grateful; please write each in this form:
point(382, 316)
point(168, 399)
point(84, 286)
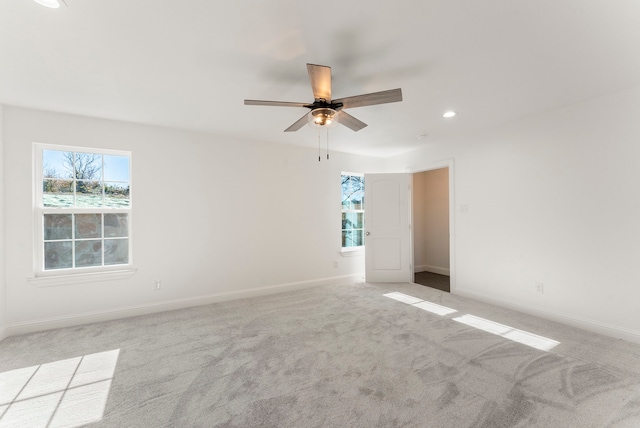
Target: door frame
point(447, 163)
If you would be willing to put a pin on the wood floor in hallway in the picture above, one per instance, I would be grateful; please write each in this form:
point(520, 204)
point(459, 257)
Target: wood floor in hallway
point(433, 280)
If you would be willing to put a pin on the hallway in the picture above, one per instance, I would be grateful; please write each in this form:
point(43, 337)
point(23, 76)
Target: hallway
point(433, 280)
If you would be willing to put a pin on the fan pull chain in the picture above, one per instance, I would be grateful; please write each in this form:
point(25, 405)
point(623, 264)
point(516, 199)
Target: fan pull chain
point(320, 145)
point(327, 144)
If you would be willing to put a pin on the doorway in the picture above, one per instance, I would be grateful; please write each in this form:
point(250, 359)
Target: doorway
point(431, 228)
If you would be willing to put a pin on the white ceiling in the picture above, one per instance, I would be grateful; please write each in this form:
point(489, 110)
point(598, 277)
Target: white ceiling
point(190, 64)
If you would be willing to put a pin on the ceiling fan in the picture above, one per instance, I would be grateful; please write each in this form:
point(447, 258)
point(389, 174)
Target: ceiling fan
point(326, 112)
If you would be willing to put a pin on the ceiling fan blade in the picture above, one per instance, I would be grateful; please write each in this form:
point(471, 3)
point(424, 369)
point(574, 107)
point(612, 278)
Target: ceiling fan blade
point(297, 124)
point(273, 103)
point(320, 77)
point(350, 122)
point(382, 97)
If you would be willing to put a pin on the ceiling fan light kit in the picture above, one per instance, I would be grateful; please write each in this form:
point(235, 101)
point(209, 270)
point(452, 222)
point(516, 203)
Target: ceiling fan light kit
point(323, 117)
point(325, 111)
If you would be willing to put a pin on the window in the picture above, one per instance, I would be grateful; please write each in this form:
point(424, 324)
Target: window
point(352, 210)
point(83, 210)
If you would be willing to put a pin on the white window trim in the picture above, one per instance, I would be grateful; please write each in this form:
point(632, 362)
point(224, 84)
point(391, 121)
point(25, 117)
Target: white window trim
point(43, 277)
point(351, 251)
point(80, 278)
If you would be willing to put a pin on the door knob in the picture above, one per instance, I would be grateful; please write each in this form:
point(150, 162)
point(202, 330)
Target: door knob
point(367, 233)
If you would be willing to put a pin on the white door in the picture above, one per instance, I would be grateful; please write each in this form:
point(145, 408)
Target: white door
point(387, 240)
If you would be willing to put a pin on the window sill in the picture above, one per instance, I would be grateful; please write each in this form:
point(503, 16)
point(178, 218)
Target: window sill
point(352, 252)
point(77, 278)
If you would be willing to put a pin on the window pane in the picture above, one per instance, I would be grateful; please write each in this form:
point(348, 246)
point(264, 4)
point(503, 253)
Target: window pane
point(352, 238)
point(116, 225)
point(116, 195)
point(88, 193)
point(57, 226)
point(88, 253)
point(57, 193)
point(88, 226)
point(57, 255)
point(358, 201)
point(87, 166)
point(57, 164)
point(116, 251)
point(351, 220)
point(116, 168)
point(352, 192)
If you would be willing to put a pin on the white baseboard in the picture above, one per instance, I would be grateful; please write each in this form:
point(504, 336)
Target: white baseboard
point(582, 323)
point(433, 269)
point(132, 311)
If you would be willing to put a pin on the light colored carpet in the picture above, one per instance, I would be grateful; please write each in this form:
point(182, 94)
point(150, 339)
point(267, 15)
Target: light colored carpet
point(333, 356)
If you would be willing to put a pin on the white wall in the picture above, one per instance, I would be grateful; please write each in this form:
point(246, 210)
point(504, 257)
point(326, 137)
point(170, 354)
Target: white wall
point(212, 217)
point(552, 199)
point(3, 300)
point(431, 221)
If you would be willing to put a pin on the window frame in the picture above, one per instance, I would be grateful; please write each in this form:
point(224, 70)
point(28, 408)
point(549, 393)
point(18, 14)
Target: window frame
point(354, 250)
point(67, 275)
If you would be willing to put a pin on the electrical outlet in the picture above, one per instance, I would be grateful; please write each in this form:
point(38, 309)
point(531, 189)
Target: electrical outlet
point(540, 287)
point(335, 265)
point(156, 284)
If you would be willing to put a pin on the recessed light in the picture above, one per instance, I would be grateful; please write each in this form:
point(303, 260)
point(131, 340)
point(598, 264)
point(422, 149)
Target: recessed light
point(53, 4)
point(449, 114)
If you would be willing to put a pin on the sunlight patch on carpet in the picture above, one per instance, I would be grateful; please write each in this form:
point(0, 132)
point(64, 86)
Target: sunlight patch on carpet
point(421, 304)
point(520, 336)
point(62, 394)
